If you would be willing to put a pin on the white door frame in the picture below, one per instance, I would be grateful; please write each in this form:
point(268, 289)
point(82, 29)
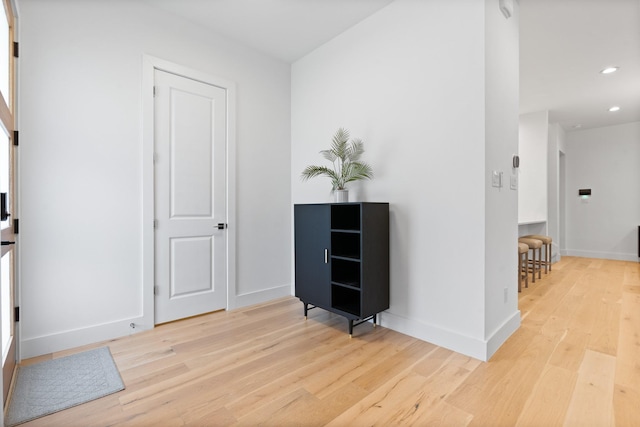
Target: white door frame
point(149, 64)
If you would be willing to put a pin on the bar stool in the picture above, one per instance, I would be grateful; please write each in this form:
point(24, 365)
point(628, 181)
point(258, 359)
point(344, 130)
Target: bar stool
point(535, 245)
point(546, 241)
point(523, 261)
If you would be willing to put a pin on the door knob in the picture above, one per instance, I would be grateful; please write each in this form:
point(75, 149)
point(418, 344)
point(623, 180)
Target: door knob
point(222, 226)
point(7, 243)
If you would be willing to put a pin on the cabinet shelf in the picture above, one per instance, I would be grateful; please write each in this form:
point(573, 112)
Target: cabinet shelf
point(346, 285)
point(350, 258)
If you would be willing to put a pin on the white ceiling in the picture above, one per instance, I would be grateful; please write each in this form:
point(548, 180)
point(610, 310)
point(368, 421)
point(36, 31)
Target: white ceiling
point(563, 46)
point(284, 29)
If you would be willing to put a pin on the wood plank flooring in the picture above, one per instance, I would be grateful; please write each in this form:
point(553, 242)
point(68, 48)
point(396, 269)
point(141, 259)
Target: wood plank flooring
point(575, 361)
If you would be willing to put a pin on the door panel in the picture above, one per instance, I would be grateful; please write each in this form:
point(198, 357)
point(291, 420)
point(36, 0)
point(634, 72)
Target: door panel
point(191, 155)
point(190, 197)
point(191, 265)
point(312, 258)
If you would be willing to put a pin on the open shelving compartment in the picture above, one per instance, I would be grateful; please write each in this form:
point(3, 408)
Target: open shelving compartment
point(345, 272)
point(345, 217)
point(345, 299)
point(346, 252)
point(345, 244)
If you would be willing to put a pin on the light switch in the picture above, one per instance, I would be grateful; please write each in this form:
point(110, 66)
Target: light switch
point(496, 179)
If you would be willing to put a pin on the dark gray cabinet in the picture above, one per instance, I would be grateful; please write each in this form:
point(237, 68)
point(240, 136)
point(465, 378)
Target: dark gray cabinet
point(342, 259)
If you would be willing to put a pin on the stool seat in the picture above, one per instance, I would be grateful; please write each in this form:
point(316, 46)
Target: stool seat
point(535, 263)
point(546, 241)
point(531, 242)
point(523, 248)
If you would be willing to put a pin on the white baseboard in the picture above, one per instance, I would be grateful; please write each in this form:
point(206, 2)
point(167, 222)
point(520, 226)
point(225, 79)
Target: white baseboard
point(32, 347)
point(478, 349)
point(501, 334)
point(262, 295)
point(603, 255)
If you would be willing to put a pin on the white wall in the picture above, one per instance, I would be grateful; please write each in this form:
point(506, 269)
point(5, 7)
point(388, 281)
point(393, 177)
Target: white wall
point(606, 160)
point(557, 145)
point(533, 149)
point(501, 204)
point(410, 81)
point(562, 198)
point(81, 164)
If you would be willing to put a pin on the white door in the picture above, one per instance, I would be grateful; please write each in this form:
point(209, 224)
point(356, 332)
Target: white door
point(190, 197)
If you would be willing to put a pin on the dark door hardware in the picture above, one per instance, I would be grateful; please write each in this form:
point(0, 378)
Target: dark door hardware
point(4, 215)
point(7, 243)
point(222, 226)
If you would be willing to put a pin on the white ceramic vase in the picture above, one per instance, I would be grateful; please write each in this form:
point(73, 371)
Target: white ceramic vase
point(341, 196)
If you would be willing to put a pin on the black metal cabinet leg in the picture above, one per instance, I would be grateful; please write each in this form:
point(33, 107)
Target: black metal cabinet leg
point(374, 320)
point(306, 309)
point(350, 327)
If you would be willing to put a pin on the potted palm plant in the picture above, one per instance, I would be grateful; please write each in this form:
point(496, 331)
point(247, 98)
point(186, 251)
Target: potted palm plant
point(346, 165)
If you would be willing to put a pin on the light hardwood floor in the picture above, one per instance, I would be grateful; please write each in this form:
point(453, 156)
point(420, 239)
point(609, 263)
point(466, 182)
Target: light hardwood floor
point(575, 361)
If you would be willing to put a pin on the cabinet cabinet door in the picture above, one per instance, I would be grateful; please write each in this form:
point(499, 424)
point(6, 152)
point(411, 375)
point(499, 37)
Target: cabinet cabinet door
point(312, 257)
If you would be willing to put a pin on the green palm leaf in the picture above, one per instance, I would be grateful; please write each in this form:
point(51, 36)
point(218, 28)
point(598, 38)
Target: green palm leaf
point(344, 156)
point(355, 149)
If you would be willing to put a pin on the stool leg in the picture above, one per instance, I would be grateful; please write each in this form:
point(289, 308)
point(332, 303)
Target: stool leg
point(533, 266)
point(526, 276)
point(519, 272)
point(550, 256)
point(540, 263)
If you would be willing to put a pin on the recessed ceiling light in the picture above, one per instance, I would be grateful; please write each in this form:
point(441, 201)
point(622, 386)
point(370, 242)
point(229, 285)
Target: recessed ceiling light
point(609, 70)
point(614, 109)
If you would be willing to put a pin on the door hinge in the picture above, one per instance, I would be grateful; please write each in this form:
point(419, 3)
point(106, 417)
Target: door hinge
point(16, 226)
point(154, 91)
point(156, 290)
point(155, 224)
point(16, 50)
point(16, 313)
point(155, 158)
point(16, 134)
